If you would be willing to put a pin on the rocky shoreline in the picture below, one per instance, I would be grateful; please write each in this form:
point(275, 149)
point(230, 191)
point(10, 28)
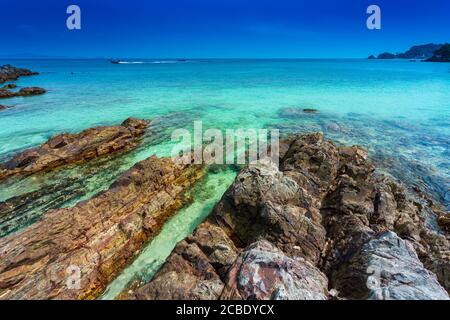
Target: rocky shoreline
point(98, 237)
point(324, 226)
point(68, 148)
point(10, 73)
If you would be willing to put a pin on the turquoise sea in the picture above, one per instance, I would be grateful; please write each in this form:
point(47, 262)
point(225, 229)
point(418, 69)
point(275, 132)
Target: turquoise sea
point(399, 110)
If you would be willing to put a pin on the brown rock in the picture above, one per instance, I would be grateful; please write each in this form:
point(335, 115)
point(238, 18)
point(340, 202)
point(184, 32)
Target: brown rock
point(5, 93)
point(97, 237)
point(8, 73)
point(327, 208)
point(75, 148)
point(444, 220)
point(310, 110)
point(24, 92)
point(263, 272)
point(30, 91)
point(186, 275)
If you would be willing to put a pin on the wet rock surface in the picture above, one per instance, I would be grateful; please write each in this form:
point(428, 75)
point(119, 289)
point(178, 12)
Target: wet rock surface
point(97, 237)
point(68, 148)
point(324, 222)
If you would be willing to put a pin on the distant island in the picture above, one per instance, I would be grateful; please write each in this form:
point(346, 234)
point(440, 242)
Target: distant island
point(426, 52)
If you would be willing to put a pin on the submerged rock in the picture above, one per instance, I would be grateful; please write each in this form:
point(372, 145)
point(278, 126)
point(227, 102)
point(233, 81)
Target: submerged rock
point(68, 148)
point(296, 112)
point(96, 238)
point(324, 216)
point(8, 73)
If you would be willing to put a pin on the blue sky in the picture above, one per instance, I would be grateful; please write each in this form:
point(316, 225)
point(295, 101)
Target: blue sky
point(220, 28)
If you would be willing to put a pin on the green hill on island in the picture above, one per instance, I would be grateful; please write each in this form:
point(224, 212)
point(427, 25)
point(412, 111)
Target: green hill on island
point(429, 52)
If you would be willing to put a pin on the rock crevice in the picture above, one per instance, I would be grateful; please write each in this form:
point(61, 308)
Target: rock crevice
point(324, 225)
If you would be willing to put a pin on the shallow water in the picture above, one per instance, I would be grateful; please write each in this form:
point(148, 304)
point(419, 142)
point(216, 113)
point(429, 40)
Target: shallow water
point(176, 229)
point(399, 110)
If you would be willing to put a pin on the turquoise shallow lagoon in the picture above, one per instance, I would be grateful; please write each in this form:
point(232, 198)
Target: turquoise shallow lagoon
point(398, 110)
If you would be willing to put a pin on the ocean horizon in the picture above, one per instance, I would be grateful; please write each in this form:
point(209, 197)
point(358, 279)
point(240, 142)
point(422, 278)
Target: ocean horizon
point(397, 110)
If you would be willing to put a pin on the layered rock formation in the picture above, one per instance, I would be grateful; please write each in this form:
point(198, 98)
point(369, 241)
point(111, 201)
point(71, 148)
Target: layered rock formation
point(10, 73)
point(68, 148)
point(96, 238)
point(324, 220)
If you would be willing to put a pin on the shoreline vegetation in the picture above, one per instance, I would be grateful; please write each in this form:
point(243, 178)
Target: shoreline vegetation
point(323, 225)
point(428, 52)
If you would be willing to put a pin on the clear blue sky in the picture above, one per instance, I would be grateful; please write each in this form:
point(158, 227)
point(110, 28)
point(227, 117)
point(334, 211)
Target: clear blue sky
point(220, 28)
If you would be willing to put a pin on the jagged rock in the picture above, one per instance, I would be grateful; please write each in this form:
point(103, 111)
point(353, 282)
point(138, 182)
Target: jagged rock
point(99, 236)
point(361, 203)
point(264, 202)
point(195, 268)
point(263, 272)
point(387, 267)
point(68, 148)
point(10, 86)
point(186, 275)
point(325, 207)
point(8, 73)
